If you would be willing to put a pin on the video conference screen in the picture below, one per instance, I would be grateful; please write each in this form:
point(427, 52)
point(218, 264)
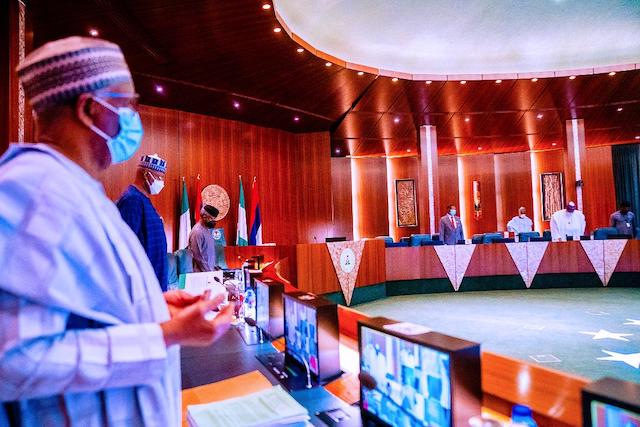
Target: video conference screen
point(262, 306)
point(412, 382)
point(301, 333)
point(606, 415)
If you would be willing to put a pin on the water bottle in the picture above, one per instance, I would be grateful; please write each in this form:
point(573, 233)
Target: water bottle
point(521, 416)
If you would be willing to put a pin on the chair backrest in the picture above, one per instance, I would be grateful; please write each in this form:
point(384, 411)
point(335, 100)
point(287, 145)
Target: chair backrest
point(477, 238)
point(603, 233)
point(396, 244)
point(184, 261)
point(417, 239)
point(432, 243)
point(404, 239)
point(387, 239)
point(435, 237)
point(540, 239)
point(524, 237)
point(546, 234)
point(490, 237)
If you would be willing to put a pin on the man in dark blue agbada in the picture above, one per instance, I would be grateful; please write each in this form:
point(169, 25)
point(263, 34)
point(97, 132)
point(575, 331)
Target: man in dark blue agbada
point(137, 211)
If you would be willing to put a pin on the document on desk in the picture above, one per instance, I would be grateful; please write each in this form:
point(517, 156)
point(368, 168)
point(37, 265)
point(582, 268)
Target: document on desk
point(271, 407)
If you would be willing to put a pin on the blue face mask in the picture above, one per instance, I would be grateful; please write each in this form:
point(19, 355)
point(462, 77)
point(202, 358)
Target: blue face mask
point(452, 212)
point(124, 145)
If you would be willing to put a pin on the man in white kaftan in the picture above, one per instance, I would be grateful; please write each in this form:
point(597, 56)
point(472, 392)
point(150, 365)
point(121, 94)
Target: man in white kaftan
point(567, 222)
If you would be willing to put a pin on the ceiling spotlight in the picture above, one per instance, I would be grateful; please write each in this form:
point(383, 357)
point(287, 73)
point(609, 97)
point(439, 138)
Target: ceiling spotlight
point(535, 79)
point(337, 151)
point(93, 32)
point(613, 73)
point(428, 82)
point(572, 77)
point(408, 150)
point(266, 6)
point(479, 148)
point(396, 120)
point(463, 82)
point(299, 50)
point(467, 119)
point(236, 104)
point(637, 136)
point(328, 64)
point(277, 29)
point(361, 73)
point(619, 109)
point(498, 81)
point(395, 79)
point(159, 89)
point(539, 116)
point(296, 118)
point(554, 144)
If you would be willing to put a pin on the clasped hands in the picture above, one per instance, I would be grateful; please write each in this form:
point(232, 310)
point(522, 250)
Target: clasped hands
point(188, 325)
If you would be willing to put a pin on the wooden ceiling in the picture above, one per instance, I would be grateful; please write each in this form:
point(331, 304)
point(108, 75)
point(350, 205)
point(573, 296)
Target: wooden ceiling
point(222, 58)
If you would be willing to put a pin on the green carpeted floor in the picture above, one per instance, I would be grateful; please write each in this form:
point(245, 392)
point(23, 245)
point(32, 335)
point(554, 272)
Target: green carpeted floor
point(545, 323)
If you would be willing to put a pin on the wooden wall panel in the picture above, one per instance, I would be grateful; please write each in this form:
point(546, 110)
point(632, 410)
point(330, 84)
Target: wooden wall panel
point(370, 182)
point(448, 185)
point(402, 168)
point(313, 179)
point(513, 186)
point(341, 206)
point(599, 191)
point(544, 161)
point(293, 172)
point(478, 168)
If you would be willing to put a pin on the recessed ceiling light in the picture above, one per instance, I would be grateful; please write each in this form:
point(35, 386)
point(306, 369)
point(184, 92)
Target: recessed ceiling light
point(266, 6)
point(395, 79)
point(498, 81)
point(637, 136)
point(554, 144)
point(361, 73)
point(479, 148)
point(619, 109)
point(296, 118)
point(539, 116)
point(396, 120)
point(428, 82)
point(572, 77)
point(159, 89)
point(613, 73)
point(236, 104)
point(466, 119)
point(93, 32)
point(277, 29)
point(408, 150)
point(337, 151)
point(328, 64)
point(463, 82)
point(535, 79)
point(299, 50)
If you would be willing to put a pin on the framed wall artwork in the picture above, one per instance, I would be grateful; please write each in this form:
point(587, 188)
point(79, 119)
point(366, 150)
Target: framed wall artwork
point(552, 193)
point(477, 200)
point(406, 210)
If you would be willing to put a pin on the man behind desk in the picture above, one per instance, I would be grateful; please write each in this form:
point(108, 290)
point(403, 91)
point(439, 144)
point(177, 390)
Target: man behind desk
point(624, 220)
point(201, 242)
point(567, 222)
point(521, 223)
point(86, 337)
point(451, 227)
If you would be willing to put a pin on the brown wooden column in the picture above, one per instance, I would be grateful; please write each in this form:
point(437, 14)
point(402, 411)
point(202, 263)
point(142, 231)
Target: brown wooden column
point(575, 161)
point(428, 194)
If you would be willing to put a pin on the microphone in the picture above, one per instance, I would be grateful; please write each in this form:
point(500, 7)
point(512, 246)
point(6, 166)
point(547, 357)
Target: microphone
point(306, 367)
point(367, 380)
point(249, 321)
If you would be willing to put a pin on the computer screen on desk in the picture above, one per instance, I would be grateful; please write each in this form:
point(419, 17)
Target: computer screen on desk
point(269, 310)
point(412, 376)
point(610, 402)
point(301, 329)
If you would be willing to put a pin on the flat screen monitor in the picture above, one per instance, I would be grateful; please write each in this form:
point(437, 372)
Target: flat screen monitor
point(416, 379)
point(269, 310)
point(311, 333)
point(610, 402)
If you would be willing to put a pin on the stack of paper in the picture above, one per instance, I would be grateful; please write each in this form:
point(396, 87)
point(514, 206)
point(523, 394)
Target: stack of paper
point(271, 407)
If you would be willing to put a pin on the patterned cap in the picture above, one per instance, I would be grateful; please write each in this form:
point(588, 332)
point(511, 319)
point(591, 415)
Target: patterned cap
point(153, 162)
point(61, 70)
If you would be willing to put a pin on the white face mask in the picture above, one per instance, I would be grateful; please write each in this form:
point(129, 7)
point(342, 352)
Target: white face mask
point(156, 186)
point(523, 215)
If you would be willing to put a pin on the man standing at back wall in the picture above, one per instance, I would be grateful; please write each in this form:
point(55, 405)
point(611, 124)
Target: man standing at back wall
point(624, 220)
point(451, 227)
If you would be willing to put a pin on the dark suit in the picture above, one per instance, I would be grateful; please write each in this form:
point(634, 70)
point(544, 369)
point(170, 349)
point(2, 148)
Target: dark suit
point(448, 234)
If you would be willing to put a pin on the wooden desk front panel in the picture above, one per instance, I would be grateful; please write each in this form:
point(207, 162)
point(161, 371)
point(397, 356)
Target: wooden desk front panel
point(316, 274)
point(491, 260)
point(412, 263)
point(565, 257)
point(630, 258)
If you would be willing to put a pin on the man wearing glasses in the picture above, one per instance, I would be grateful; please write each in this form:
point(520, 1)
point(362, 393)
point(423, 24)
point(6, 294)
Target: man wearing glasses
point(86, 336)
point(139, 214)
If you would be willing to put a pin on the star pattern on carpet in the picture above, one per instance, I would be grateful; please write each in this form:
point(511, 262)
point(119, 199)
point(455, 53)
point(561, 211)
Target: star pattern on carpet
point(631, 359)
point(632, 322)
point(603, 334)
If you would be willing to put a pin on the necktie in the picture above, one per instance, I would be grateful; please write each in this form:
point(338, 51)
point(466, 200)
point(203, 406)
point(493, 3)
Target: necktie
point(453, 222)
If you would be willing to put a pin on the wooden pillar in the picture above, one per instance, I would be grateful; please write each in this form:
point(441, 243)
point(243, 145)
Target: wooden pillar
point(428, 196)
point(16, 123)
point(575, 161)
